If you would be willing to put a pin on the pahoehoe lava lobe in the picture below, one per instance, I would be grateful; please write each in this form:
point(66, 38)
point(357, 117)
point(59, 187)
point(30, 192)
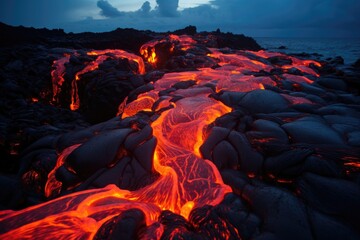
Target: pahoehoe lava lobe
point(183, 135)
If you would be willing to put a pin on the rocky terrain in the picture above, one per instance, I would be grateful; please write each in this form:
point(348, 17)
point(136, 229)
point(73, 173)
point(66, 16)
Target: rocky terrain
point(184, 135)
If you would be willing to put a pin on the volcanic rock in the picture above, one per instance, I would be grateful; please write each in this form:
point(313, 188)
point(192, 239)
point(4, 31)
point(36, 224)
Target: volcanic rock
point(125, 226)
point(302, 131)
point(336, 197)
point(332, 83)
point(263, 101)
point(282, 213)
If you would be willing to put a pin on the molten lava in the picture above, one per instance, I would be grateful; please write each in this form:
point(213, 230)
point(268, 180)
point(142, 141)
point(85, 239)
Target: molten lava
point(58, 75)
point(186, 181)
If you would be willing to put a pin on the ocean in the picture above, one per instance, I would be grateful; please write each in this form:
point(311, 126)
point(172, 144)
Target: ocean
point(348, 48)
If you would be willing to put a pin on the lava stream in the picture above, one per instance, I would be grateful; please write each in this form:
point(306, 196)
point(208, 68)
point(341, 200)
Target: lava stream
point(179, 132)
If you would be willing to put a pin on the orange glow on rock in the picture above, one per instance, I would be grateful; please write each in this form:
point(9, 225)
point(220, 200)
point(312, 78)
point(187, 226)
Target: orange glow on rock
point(296, 100)
point(352, 164)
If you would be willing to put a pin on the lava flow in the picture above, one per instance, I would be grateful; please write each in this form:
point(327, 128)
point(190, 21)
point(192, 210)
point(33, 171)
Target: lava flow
point(186, 181)
point(100, 57)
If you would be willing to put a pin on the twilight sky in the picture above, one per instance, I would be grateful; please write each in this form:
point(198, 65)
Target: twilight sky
point(259, 18)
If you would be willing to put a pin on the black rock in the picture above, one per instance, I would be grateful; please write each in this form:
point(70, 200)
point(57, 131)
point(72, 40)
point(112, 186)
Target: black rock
point(336, 197)
point(127, 225)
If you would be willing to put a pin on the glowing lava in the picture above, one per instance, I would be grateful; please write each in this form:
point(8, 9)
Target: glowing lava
point(57, 75)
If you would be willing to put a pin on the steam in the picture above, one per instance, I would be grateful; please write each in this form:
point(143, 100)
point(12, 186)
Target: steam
point(108, 10)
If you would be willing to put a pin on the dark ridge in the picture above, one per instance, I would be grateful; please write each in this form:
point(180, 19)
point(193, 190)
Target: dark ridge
point(11, 35)
point(189, 30)
point(236, 41)
point(128, 39)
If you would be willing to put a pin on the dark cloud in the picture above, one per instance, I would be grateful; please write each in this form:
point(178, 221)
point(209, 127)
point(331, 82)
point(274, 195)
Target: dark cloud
point(288, 14)
point(108, 10)
point(168, 8)
point(42, 13)
point(145, 8)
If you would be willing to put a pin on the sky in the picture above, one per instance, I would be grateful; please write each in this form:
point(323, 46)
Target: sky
point(257, 18)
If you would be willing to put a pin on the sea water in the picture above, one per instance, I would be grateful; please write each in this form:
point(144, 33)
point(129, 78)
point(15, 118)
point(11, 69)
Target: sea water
point(347, 48)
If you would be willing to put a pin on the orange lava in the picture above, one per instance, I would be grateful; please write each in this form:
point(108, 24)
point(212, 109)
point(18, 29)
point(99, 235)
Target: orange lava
point(57, 75)
point(302, 65)
point(353, 164)
point(179, 132)
point(144, 102)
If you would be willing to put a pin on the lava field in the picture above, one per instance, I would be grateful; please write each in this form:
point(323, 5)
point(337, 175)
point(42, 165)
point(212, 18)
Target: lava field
point(183, 135)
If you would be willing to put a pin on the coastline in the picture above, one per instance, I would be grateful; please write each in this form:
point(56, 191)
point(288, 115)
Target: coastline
point(347, 48)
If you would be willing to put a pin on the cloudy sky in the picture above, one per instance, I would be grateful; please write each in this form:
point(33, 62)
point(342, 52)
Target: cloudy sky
point(258, 18)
